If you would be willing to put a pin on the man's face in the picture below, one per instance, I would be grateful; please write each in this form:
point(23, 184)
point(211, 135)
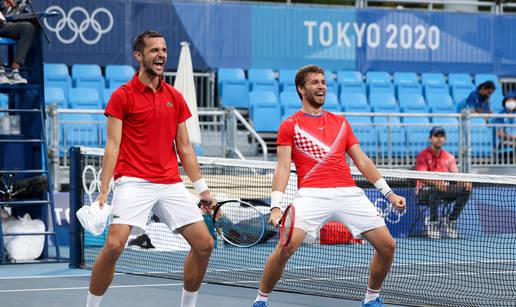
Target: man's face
point(484, 92)
point(154, 56)
point(314, 89)
point(437, 140)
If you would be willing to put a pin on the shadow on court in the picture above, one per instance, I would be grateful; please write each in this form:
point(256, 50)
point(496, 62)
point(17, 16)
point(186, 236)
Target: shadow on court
point(57, 285)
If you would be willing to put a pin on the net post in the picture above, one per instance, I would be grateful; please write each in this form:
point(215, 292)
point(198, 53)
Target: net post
point(75, 204)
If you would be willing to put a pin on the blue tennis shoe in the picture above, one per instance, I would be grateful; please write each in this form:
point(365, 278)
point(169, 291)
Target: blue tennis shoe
point(260, 304)
point(376, 303)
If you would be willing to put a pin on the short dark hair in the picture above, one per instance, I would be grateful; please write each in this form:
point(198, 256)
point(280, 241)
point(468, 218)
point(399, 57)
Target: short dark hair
point(488, 85)
point(303, 72)
point(139, 41)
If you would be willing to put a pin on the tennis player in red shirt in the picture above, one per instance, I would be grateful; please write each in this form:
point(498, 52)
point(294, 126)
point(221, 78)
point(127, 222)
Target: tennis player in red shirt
point(145, 122)
point(317, 142)
point(433, 192)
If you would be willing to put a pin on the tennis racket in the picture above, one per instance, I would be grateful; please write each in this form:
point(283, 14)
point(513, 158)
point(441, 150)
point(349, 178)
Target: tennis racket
point(287, 225)
point(238, 222)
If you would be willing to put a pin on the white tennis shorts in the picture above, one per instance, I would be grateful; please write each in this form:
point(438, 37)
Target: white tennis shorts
point(349, 205)
point(134, 198)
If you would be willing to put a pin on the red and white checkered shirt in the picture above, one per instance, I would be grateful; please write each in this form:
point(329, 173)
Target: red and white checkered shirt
point(319, 145)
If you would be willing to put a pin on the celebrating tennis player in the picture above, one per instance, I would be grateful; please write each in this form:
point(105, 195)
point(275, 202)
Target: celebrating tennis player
point(145, 117)
point(317, 141)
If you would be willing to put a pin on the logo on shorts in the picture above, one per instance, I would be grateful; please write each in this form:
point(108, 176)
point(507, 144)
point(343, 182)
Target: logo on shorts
point(115, 216)
point(169, 104)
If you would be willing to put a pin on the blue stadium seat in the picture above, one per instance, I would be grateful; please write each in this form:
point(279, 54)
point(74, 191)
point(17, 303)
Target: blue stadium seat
point(287, 80)
point(461, 92)
point(433, 89)
point(391, 140)
point(57, 75)
point(265, 112)
point(331, 103)
point(385, 107)
point(451, 126)
point(459, 79)
point(88, 76)
point(77, 130)
point(117, 75)
point(106, 96)
point(229, 74)
point(439, 100)
point(432, 79)
point(345, 88)
point(376, 88)
point(365, 133)
point(382, 98)
point(496, 102)
point(405, 78)
point(378, 77)
point(85, 98)
point(331, 84)
point(481, 78)
point(408, 88)
point(262, 79)
point(348, 100)
point(417, 134)
point(481, 138)
point(349, 76)
point(412, 103)
point(235, 93)
point(55, 95)
point(290, 103)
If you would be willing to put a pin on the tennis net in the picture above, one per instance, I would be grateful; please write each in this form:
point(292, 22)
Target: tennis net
point(473, 266)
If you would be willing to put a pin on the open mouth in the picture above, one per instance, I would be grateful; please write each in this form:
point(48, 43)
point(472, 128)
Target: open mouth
point(158, 64)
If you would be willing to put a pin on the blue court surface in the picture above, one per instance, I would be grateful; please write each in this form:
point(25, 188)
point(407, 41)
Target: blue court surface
point(56, 285)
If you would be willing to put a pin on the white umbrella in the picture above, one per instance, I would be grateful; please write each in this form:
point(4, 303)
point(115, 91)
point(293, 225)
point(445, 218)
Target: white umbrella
point(184, 83)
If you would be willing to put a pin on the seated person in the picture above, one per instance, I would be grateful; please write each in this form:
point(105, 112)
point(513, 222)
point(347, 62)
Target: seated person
point(435, 192)
point(505, 134)
point(478, 100)
point(22, 32)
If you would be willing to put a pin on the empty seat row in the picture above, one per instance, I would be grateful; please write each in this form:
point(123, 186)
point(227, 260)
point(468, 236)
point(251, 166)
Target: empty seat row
point(84, 76)
point(233, 84)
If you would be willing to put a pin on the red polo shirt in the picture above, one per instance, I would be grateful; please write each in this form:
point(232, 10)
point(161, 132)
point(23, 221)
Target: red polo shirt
point(428, 161)
point(149, 129)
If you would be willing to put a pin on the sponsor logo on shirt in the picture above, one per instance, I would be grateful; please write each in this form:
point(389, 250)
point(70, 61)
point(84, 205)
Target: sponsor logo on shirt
point(115, 216)
point(169, 104)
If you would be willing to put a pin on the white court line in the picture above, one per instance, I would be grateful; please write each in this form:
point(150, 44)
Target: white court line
point(51, 276)
point(85, 288)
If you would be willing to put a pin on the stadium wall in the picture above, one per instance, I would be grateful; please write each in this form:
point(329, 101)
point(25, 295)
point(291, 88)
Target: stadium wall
point(284, 36)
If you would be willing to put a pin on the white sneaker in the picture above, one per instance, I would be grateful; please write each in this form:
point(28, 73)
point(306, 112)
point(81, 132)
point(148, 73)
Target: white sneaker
point(451, 229)
point(3, 77)
point(16, 78)
point(432, 229)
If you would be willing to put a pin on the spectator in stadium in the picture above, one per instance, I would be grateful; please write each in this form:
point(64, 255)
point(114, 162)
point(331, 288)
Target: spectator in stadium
point(146, 120)
point(317, 142)
point(506, 135)
point(478, 100)
point(22, 32)
point(435, 192)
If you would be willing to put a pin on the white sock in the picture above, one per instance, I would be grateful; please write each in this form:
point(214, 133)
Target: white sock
point(189, 299)
point(371, 295)
point(93, 300)
point(262, 296)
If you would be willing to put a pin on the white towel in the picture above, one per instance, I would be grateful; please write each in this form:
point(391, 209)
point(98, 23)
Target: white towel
point(93, 218)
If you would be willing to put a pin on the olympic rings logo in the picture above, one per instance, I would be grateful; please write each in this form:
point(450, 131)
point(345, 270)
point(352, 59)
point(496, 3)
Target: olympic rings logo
point(388, 212)
point(78, 30)
point(91, 181)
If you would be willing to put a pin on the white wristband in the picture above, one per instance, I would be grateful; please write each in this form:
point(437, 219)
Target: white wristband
point(200, 185)
point(276, 197)
point(384, 188)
